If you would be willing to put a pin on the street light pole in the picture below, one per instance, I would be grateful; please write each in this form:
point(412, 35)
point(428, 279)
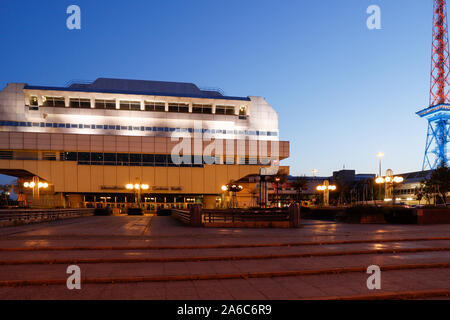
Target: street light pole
point(379, 155)
point(277, 179)
point(326, 188)
point(137, 187)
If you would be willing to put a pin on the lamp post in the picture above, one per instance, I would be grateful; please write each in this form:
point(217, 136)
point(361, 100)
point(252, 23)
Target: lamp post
point(380, 155)
point(35, 184)
point(326, 188)
point(233, 188)
point(137, 190)
point(224, 189)
point(277, 182)
point(390, 181)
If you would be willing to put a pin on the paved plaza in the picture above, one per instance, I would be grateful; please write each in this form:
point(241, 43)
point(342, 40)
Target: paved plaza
point(158, 258)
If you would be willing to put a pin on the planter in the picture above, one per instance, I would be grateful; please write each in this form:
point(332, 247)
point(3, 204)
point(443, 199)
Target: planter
point(433, 216)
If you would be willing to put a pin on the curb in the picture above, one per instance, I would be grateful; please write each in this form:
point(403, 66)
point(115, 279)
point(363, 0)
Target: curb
point(294, 273)
point(219, 258)
point(226, 246)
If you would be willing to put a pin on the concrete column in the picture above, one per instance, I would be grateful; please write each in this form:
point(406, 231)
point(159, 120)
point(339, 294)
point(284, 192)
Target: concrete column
point(196, 215)
point(294, 216)
point(75, 201)
point(209, 202)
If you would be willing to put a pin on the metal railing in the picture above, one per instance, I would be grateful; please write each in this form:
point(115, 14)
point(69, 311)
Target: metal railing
point(232, 216)
point(227, 216)
point(23, 216)
point(182, 215)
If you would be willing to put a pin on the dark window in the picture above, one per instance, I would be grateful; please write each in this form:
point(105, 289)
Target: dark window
point(70, 156)
point(110, 104)
point(105, 104)
point(155, 106)
point(110, 158)
point(135, 159)
point(6, 155)
point(84, 158)
point(160, 160)
point(148, 160)
point(80, 103)
point(54, 102)
point(130, 105)
point(178, 107)
point(202, 108)
point(123, 159)
point(228, 110)
point(97, 158)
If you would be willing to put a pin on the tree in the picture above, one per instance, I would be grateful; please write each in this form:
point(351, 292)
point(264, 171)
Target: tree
point(299, 184)
point(419, 192)
point(278, 180)
point(439, 181)
point(5, 191)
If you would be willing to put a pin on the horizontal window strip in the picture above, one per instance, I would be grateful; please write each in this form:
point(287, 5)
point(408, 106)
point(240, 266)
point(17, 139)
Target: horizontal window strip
point(5, 123)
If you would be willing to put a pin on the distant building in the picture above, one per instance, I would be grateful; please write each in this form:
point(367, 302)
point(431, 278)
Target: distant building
point(405, 193)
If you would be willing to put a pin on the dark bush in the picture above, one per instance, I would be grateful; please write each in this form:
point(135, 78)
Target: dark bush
point(394, 215)
point(102, 211)
point(163, 212)
point(399, 215)
point(135, 211)
point(328, 214)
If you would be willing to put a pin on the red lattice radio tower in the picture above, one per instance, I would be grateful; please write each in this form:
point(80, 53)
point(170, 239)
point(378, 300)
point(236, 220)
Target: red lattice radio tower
point(439, 88)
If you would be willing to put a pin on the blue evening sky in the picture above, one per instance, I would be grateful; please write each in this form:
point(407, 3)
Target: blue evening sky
point(342, 92)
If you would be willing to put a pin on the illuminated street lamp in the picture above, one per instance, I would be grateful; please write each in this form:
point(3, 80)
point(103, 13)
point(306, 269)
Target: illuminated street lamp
point(35, 184)
point(326, 188)
point(233, 188)
point(389, 180)
point(137, 187)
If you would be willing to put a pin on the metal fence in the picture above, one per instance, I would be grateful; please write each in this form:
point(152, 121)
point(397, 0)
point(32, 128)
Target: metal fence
point(182, 215)
point(212, 216)
point(232, 216)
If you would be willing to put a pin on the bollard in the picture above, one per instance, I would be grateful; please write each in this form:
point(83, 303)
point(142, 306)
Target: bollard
point(196, 215)
point(294, 216)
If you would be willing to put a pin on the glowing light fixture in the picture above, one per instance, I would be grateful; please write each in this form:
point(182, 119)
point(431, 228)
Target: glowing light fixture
point(379, 180)
point(32, 184)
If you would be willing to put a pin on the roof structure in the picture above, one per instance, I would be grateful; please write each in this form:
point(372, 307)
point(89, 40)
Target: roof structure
point(144, 87)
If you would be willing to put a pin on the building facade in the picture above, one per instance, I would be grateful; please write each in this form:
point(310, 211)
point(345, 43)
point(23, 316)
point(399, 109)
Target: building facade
point(86, 142)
